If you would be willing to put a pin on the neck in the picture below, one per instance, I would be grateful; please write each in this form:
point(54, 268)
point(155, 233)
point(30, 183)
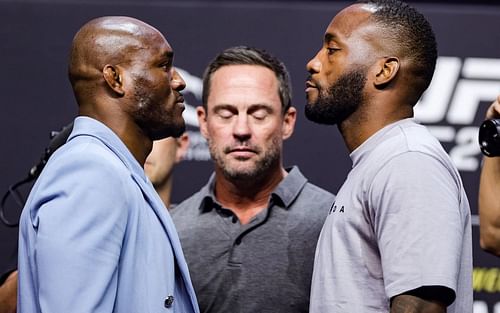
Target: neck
point(139, 145)
point(248, 197)
point(361, 125)
point(164, 191)
point(137, 142)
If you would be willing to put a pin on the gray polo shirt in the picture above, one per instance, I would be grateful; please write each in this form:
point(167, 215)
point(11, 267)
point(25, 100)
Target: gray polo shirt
point(263, 266)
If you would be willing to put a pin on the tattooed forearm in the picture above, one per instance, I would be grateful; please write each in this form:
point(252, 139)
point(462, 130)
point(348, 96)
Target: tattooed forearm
point(412, 304)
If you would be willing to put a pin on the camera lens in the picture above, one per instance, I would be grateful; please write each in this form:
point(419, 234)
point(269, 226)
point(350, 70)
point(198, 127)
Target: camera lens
point(489, 138)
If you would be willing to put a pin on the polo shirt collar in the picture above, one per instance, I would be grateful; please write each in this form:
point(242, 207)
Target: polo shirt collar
point(286, 191)
point(289, 188)
point(208, 197)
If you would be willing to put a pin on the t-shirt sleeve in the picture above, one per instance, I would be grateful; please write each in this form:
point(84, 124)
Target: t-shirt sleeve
point(415, 202)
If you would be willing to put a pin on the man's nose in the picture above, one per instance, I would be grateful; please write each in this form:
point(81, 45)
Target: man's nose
point(241, 128)
point(178, 82)
point(314, 65)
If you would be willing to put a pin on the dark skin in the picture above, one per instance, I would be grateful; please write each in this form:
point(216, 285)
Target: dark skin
point(410, 304)
point(115, 59)
point(427, 299)
point(8, 294)
point(354, 42)
point(351, 41)
point(106, 55)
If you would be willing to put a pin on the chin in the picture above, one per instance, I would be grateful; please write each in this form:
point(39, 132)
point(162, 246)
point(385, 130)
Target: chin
point(179, 130)
point(311, 101)
point(241, 172)
point(172, 131)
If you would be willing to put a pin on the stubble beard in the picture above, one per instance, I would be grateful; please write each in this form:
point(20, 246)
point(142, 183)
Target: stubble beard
point(152, 117)
point(260, 169)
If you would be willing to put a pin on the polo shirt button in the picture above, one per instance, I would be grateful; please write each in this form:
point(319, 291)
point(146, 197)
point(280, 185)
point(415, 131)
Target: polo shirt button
point(168, 301)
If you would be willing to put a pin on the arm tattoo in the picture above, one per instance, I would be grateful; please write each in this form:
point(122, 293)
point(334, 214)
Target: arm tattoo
point(412, 304)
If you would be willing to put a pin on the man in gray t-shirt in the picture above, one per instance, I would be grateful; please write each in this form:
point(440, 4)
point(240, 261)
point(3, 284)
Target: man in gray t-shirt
point(398, 238)
point(406, 201)
point(250, 234)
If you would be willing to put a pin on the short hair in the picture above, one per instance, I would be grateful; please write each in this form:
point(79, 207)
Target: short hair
point(243, 55)
point(413, 34)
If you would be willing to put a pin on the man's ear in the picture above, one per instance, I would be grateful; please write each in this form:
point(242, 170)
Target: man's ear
point(387, 68)
point(114, 78)
point(182, 147)
point(202, 120)
point(289, 122)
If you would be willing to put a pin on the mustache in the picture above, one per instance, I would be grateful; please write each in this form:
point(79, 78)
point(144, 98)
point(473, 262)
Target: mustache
point(311, 82)
point(242, 146)
point(179, 97)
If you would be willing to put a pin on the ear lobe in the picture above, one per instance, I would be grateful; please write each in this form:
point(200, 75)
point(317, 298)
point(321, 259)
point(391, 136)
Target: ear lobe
point(388, 68)
point(113, 78)
point(289, 123)
point(202, 120)
point(182, 147)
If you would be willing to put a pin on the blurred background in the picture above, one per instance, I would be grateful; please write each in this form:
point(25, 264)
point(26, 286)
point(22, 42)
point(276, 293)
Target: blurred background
point(36, 97)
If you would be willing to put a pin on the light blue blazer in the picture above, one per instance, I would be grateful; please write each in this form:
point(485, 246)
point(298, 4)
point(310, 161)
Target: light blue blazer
point(95, 236)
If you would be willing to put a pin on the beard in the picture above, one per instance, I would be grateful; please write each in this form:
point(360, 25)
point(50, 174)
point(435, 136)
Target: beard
point(339, 101)
point(152, 116)
point(259, 168)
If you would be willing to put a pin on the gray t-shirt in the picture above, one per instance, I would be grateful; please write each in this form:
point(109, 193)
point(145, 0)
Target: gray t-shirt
point(401, 221)
point(263, 266)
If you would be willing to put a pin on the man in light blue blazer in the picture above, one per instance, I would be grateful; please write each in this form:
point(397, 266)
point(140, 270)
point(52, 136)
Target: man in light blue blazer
point(94, 235)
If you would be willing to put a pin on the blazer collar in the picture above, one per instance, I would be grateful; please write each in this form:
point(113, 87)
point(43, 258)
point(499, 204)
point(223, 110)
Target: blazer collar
point(86, 126)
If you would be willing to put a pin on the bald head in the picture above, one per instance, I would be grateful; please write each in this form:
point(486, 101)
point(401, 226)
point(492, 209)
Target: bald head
point(107, 40)
point(122, 74)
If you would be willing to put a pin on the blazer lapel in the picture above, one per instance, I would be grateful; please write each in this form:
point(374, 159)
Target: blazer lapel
point(169, 227)
point(112, 141)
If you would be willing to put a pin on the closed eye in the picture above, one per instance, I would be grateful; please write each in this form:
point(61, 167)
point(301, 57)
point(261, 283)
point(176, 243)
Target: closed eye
point(260, 114)
point(260, 111)
point(224, 113)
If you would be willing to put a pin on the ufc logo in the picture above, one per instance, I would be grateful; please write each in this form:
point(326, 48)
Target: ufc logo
point(452, 101)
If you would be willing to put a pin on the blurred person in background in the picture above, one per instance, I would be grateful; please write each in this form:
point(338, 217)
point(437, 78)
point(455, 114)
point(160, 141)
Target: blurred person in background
point(160, 163)
point(489, 195)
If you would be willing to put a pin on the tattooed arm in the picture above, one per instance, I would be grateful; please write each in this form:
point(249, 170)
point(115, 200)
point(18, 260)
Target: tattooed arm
point(412, 304)
point(429, 299)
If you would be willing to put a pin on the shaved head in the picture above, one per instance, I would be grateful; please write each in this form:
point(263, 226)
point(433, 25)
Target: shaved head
point(122, 74)
point(107, 40)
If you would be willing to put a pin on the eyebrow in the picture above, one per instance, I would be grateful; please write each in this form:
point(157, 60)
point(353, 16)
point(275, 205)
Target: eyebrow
point(223, 106)
point(329, 37)
point(168, 54)
point(252, 107)
point(260, 106)
point(165, 57)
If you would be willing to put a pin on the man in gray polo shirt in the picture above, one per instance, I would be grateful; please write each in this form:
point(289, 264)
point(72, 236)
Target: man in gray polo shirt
point(249, 235)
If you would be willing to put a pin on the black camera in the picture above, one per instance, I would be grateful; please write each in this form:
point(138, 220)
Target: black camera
point(489, 137)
